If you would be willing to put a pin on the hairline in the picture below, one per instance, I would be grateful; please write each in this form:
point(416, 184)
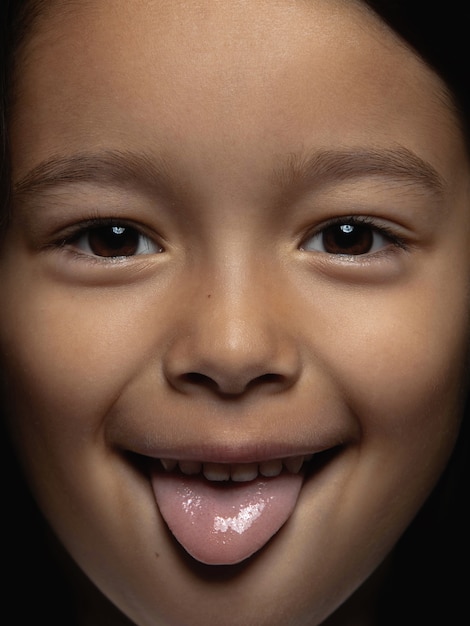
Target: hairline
point(32, 14)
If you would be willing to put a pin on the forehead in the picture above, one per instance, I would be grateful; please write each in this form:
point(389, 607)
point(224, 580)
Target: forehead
point(221, 74)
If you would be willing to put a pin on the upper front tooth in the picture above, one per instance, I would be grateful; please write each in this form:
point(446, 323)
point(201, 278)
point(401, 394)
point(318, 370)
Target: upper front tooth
point(190, 467)
point(271, 468)
point(168, 464)
point(216, 471)
point(294, 463)
point(243, 472)
point(238, 472)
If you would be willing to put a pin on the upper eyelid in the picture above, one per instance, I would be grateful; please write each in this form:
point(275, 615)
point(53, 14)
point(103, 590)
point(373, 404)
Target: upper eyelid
point(72, 232)
point(357, 220)
point(395, 238)
point(78, 229)
point(70, 237)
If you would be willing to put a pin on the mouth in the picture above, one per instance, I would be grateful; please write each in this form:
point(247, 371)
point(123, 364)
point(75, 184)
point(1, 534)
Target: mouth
point(223, 513)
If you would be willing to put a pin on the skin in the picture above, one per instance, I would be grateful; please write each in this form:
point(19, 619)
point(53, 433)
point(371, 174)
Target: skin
point(291, 346)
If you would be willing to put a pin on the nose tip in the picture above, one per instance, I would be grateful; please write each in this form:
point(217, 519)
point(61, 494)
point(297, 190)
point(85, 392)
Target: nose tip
point(232, 360)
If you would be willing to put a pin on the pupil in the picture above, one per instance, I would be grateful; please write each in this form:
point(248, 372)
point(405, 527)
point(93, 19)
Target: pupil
point(114, 241)
point(348, 239)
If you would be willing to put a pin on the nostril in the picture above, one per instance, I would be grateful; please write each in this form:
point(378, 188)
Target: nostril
point(230, 386)
point(235, 359)
point(266, 379)
point(198, 379)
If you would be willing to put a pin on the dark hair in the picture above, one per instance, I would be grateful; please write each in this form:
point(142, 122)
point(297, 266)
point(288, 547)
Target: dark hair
point(439, 33)
point(426, 584)
point(27, 563)
point(4, 169)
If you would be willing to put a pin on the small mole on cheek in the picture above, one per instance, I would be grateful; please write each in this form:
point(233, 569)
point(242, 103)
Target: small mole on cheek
point(157, 555)
point(209, 295)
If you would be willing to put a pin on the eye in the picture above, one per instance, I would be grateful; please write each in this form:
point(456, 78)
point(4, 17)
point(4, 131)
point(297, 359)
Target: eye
point(114, 240)
point(349, 237)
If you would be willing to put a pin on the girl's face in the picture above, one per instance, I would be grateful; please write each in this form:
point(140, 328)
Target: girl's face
point(240, 235)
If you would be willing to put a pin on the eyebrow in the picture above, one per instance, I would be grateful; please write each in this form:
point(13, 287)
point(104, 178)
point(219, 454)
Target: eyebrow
point(398, 164)
point(299, 171)
point(116, 167)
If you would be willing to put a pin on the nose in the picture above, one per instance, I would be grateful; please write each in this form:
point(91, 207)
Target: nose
point(231, 342)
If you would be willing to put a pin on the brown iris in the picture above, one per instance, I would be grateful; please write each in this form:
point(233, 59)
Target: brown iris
point(113, 241)
point(347, 239)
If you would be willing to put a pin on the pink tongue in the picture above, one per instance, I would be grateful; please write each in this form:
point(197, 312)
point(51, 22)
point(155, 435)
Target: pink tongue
point(224, 523)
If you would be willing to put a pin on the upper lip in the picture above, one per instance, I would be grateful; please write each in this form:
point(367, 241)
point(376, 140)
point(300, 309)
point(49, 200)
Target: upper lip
point(231, 453)
point(236, 441)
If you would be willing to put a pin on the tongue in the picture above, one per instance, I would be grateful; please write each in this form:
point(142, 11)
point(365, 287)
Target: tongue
point(224, 523)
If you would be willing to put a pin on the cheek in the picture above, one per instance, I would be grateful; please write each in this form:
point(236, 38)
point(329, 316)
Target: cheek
point(66, 361)
point(402, 372)
point(64, 373)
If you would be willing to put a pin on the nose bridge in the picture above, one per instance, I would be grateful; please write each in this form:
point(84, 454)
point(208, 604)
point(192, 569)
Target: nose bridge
point(235, 335)
point(233, 319)
point(236, 285)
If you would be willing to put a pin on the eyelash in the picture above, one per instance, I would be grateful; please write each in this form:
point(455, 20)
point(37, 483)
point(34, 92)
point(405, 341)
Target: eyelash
point(87, 228)
point(355, 221)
